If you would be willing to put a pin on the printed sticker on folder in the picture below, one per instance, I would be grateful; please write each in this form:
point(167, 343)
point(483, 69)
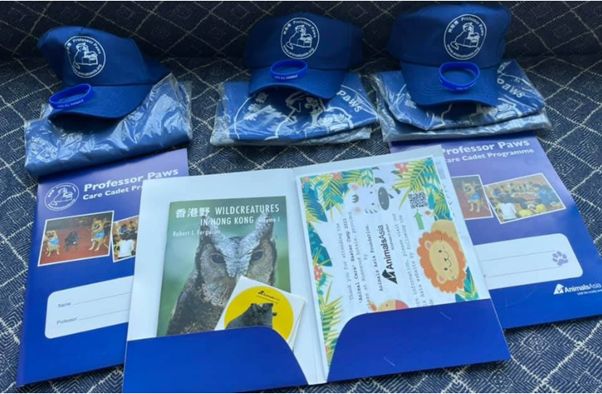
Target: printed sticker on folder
point(383, 238)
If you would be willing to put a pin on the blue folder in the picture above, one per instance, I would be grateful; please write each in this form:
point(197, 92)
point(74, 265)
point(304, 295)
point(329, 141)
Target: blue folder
point(49, 347)
point(373, 344)
point(450, 334)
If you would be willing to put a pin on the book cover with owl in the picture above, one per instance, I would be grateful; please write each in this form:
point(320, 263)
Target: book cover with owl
point(210, 245)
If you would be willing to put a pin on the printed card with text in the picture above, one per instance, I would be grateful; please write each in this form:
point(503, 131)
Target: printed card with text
point(382, 238)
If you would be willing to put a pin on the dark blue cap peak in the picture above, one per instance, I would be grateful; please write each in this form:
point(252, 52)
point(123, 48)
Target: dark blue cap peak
point(425, 39)
point(329, 48)
point(119, 73)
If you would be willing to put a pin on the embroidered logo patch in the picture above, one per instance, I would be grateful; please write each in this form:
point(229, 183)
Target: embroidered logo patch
point(300, 38)
point(86, 55)
point(464, 36)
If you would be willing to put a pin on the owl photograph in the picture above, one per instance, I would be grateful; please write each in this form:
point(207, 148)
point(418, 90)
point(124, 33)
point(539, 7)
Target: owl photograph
point(210, 245)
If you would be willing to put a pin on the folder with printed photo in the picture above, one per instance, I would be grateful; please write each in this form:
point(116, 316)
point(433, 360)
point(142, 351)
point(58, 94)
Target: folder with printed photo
point(536, 254)
point(81, 266)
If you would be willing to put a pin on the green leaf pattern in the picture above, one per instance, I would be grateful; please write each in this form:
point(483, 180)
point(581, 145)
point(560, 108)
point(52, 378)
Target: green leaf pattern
point(421, 176)
point(470, 291)
point(322, 194)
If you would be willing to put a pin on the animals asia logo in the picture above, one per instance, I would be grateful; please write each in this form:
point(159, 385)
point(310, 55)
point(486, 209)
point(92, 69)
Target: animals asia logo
point(464, 36)
point(61, 196)
point(559, 289)
point(300, 38)
point(86, 55)
point(589, 288)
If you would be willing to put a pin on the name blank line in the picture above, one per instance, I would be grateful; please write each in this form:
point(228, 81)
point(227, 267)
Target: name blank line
point(518, 255)
point(521, 272)
point(101, 298)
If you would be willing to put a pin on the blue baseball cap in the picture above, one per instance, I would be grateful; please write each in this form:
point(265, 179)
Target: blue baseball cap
point(103, 75)
point(451, 52)
point(302, 51)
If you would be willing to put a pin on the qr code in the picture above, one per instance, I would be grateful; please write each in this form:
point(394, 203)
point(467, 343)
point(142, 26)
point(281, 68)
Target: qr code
point(418, 200)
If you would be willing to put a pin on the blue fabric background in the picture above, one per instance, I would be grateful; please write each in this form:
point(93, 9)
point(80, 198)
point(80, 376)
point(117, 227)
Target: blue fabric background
point(558, 44)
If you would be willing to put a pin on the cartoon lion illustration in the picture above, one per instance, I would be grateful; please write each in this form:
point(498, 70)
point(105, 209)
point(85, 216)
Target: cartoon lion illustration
point(442, 258)
point(390, 305)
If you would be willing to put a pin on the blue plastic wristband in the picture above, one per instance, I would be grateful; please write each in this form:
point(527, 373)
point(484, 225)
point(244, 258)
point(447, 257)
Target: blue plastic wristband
point(456, 87)
point(300, 65)
point(84, 93)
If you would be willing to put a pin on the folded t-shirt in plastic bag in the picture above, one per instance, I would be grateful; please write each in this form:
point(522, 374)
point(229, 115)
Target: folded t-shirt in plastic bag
point(282, 116)
point(517, 97)
point(393, 130)
point(161, 121)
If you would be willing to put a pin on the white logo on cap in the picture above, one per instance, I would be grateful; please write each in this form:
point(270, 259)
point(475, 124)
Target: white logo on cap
point(300, 38)
point(464, 36)
point(86, 55)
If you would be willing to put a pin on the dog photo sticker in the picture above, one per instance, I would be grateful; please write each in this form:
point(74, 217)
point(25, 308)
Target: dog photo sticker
point(523, 198)
point(61, 196)
point(76, 238)
point(86, 55)
point(471, 195)
point(464, 36)
point(125, 238)
point(300, 38)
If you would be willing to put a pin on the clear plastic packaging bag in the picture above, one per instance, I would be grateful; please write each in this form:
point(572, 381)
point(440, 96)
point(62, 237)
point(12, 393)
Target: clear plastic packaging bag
point(291, 117)
point(160, 122)
point(517, 98)
point(393, 130)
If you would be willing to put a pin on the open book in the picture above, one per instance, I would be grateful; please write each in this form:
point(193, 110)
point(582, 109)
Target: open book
point(377, 247)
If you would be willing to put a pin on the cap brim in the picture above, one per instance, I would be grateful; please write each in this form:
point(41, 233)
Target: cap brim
point(110, 102)
point(324, 84)
point(426, 89)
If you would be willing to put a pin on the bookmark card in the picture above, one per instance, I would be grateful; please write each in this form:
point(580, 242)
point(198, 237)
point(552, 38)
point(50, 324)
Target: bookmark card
point(384, 237)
